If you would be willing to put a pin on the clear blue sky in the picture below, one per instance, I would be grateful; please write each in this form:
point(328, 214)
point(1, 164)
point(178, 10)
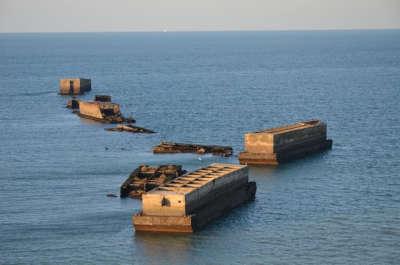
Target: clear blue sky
point(191, 15)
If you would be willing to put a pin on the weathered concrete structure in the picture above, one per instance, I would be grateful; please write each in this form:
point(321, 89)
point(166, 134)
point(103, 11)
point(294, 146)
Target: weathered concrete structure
point(75, 86)
point(172, 148)
point(189, 202)
point(106, 112)
point(73, 104)
point(129, 128)
point(281, 144)
point(145, 178)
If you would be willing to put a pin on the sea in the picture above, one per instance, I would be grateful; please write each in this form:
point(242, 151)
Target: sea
point(337, 207)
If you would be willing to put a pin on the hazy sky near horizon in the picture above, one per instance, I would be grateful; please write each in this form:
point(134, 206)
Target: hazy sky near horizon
point(194, 15)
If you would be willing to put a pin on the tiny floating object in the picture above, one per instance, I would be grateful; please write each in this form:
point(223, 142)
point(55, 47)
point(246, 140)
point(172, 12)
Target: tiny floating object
point(112, 195)
point(171, 148)
point(75, 86)
point(281, 144)
point(145, 178)
point(129, 128)
point(189, 202)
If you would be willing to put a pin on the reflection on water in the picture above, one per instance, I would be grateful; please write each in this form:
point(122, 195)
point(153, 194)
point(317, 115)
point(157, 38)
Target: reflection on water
point(265, 171)
point(263, 176)
point(158, 248)
point(91, 122)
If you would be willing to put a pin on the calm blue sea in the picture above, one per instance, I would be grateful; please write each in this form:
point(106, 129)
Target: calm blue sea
point(339, 207)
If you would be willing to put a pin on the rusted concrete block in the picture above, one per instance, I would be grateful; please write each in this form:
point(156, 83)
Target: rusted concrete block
point(145, 178)
point(277, 145)
point(74, 86)
point(171, 148)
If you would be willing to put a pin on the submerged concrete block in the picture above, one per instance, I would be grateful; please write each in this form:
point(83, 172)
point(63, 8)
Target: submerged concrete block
point(172, 148)
point(145, 178)
point(106, 112)
point(102, 98)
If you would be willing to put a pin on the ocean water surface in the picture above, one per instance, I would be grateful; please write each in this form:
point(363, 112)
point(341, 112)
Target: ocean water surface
point(339, 207)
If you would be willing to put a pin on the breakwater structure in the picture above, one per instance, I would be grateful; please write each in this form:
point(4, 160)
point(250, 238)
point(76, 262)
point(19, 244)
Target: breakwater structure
point(189, 202)
point(129, 128)
point(282, 144)
point(173, 148)
point(75, 86)
point(74, 102)
point(101, 109)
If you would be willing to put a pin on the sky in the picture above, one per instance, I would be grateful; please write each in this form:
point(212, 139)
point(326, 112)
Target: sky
point(195, 15)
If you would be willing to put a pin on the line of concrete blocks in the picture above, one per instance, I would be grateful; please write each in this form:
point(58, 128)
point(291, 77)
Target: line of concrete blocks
point(189, 202)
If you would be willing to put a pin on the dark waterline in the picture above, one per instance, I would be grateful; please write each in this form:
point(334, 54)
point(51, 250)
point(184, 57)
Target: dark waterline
point(340, 207)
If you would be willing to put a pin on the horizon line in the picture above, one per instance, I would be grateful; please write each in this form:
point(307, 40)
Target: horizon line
point(200, 31)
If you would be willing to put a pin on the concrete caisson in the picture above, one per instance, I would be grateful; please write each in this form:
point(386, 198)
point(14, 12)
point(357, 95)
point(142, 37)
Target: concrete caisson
point(74, 86)
point(189, 202)
point(106, 112)
point(281, 144)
